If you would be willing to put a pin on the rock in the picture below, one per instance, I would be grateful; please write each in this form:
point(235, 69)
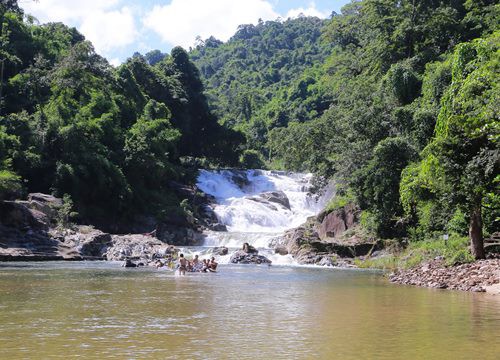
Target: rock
point(492, 248)
point(129, 264)
point(270, 198)
point(241, 257)
point(137, 246)
point(239, 177)
point(96, 245)
point(278, 197)
point(45, 203)
point(263, 201)
point(18, 215)
point(324, 261)
point(479, 276)
point(222, 250)
point(281, 250)
point(334, 224)
point(45, 199)
point(178, 235)
point(217, 227)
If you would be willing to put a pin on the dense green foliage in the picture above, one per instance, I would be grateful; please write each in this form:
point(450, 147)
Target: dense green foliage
point(251, 78)
point(397, 100)
point(367, 114)
point(110, 138)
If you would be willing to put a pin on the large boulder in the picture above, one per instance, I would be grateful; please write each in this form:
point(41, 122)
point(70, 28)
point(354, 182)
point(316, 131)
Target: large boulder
point(277, 197)
point(20, 216)
point(136, 247)
point(271, 198)
point(241, 257)
point(316, 241)
point(45, 203)
point(335, 223)
point(95, 245)
point(178, 235)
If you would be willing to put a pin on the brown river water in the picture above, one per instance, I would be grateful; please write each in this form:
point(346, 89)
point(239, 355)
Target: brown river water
point(98, 310)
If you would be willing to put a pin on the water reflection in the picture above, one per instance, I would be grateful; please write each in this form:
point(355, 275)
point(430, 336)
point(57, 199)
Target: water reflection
point(52, 310)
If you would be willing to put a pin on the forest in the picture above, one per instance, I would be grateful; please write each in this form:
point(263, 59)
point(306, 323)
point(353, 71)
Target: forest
point(109, 138)
point(402, 112)
point(397, 101)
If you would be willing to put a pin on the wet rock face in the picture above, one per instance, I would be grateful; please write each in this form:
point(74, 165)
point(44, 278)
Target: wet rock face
point(270, 199)
point(241, 257)
point(334, 224)
point(478, 276)
point(277, 197)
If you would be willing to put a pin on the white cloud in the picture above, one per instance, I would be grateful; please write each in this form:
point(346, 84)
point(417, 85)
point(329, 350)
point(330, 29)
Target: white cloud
point(105, 25)
point(310, 11)
point(180, 22)
point(110, 29)
point(115, 62)
point(66, 11)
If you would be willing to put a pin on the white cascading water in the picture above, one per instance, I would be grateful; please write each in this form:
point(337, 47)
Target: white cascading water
point(247, 216)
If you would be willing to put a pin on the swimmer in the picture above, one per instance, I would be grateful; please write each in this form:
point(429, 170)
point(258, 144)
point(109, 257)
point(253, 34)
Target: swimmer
point(182, 265)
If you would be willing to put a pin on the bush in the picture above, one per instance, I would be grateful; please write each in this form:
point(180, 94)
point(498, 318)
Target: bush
point(10, 184)
point(251, 159)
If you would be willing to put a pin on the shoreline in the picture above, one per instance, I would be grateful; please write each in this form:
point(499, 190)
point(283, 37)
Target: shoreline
point(476, 276)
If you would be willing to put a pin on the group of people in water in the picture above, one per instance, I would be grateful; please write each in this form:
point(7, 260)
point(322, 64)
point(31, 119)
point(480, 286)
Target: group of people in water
point(196, 265)
point(183, 265)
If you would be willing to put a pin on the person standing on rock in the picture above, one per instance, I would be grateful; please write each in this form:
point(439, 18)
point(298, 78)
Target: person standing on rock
point(182, 264)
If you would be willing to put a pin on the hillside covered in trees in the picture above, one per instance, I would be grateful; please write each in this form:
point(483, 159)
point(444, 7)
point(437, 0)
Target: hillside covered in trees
point(397, 101)
point(403, 112)
point(249, 77)
point(109, 138)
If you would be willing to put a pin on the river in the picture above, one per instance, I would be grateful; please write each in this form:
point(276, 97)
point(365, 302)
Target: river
point(95, 310)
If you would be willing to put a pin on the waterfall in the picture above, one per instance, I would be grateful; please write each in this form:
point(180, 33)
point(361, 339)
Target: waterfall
point(256, 205)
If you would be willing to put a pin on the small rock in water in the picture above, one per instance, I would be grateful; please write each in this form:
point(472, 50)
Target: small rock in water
point(281, 250)
point(129, 264)
point(222, 250)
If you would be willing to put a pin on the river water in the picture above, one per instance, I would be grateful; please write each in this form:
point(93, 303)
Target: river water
point(97, 310)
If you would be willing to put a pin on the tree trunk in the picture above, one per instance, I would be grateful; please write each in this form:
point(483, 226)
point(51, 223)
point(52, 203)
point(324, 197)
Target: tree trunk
point(476, 233)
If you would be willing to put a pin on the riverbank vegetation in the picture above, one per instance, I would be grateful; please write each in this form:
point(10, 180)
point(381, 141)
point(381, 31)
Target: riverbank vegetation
point(452, 251)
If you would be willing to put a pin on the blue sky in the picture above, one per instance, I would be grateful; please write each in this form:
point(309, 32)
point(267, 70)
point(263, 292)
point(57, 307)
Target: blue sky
point(118, 28)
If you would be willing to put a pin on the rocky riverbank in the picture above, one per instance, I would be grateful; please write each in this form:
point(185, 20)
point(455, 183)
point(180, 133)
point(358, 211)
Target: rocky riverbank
point(329, 239)
point(479, 276)
point(29, 232)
